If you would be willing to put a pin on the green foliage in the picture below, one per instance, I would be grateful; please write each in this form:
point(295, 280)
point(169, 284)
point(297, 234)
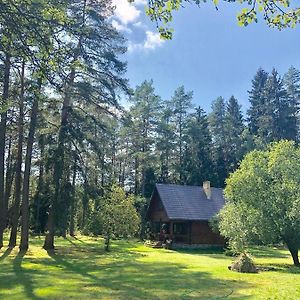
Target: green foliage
point(144, 116)
point(277, 13)
point(181, 104)
point(257, 100)
point(274, 106)
point(198, 162)
point(264, 199)
point(118, 215)
point(93, 224)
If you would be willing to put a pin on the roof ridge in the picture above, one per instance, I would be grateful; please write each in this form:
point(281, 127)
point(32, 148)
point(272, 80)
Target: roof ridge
point(187, 185)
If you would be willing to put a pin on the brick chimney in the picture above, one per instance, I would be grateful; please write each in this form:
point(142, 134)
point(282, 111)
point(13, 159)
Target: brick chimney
point(207, 189)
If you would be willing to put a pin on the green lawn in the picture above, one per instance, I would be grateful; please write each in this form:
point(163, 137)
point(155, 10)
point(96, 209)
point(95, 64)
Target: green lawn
point(80, 269)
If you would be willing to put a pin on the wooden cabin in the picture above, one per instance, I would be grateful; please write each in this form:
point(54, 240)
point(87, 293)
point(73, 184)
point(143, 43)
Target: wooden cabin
point(181, 213)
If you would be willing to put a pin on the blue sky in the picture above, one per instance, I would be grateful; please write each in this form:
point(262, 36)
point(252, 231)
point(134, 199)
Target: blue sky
point(209, 54)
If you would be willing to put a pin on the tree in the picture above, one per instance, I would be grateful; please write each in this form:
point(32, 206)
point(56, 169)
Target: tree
point(118, 215)
point(256, 99)
point(217, 128)
point(263, 199)
point(165, 142)
point(198, 164)
point(94, 75)
point(144, 114)
point(277, 13)
point(234, 128)
point(181, 104)
point(273, 111)
point(291, 81)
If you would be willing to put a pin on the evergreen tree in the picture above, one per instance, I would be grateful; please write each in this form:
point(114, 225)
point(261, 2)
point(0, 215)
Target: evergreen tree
point(279, 121)
point(165, 143)
point(217, 128)
point(291, 82)
point(234, 127)
point(181, 103)
point(198, 164)
point(257, 100)
point(144, 114)
point(94, 74)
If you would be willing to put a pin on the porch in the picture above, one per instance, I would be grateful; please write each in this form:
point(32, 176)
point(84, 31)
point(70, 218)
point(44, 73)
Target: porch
point(177, 231)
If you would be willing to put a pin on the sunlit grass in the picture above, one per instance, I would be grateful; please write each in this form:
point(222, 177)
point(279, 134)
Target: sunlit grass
point(81, 269)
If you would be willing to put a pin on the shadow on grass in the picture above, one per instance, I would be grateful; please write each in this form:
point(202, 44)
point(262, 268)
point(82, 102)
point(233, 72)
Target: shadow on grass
point(122, 275)
point(78, 239)
point(263, 251)
point(6, 253)
point(282, 268)
point(212, 250)
point(24, 277)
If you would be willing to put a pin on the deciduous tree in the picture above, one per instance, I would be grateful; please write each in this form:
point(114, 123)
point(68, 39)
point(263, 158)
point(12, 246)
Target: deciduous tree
point(263, 199)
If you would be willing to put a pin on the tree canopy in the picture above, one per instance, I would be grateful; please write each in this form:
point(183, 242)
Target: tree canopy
point(276, 13)
point(264, 198)
point(118, 215)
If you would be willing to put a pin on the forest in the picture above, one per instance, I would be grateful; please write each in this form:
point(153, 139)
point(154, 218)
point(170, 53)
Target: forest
point(65, 140)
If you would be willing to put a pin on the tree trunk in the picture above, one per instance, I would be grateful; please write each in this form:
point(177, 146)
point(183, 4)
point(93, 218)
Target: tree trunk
point(59, 164)
point(9, 177)
point(49, 239)
point(5, 95)
point(72, 221)
point(293, 248)
point(18, 178)
point(40, 188)
point(30, 141)
point(107, 242)
point(136, 176)
point(84, 204)
point(10, 171)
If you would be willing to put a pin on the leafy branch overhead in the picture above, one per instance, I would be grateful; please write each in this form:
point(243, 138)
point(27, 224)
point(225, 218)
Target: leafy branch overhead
point(276, 13)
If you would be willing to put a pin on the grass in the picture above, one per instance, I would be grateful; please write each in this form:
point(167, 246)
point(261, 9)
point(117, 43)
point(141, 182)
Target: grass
point(80, 269)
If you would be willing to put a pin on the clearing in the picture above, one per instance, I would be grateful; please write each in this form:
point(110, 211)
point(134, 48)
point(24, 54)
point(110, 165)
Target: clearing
point(81, 269)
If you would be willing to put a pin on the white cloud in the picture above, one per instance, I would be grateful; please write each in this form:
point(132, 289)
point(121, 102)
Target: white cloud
point(139, 24)
point(120, 27)
point(131, 47)
point(126, 12)
point(140, 2)
point(126, 17)
point(153, 40)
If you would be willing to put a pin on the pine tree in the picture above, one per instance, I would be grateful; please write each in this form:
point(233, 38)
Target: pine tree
point(94, 75)
point(257, 100)
point(234, 127)
point(217, 128)
point(165, 143)
point(198, 164)
point(144, 114)
point(181, 104)
point(279, 121)
point(291, 82)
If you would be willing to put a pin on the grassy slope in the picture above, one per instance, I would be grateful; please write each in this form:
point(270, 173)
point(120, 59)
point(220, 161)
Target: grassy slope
point(80, 269)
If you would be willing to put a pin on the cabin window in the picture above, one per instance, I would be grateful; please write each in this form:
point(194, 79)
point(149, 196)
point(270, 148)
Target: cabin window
point(180, 228)
point(158, 227)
